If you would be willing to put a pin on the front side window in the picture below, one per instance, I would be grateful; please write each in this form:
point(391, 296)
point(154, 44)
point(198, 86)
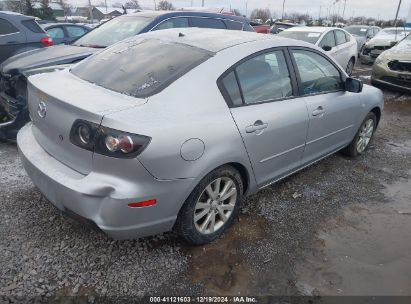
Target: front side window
point(340, 37)
point(7, 28)
point(207, 23)
point(264, 78)
point(56, 33)
point(317, 74)
point(234, 25)
point(113, 31)
point(140, 67)
point(328, 40)
point(172, 23)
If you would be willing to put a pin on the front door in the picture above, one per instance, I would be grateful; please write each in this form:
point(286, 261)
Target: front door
point(332, 110)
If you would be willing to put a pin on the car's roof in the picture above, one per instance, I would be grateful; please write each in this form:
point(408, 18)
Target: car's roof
point(317, 29)
point(44, 25)
point(14, 15)
point(397, 28)
point(214, 40)
point(169, 14)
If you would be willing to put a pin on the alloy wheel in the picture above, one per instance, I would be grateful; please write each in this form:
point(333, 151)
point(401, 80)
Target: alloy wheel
point(365, 135)
point(215, 205)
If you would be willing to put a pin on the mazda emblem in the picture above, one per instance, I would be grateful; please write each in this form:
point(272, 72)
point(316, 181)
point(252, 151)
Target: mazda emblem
point(42, 109)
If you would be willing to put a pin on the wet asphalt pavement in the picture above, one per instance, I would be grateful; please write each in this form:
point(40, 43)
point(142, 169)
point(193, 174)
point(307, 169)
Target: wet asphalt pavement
point(339, 227)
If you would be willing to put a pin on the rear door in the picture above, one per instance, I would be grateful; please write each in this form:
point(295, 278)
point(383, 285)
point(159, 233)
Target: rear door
point(11, 39)
point(343, 53)
point(270, 118)
point(332, 111)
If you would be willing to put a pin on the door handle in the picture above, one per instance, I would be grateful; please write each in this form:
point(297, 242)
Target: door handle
point(257, 126)
point(319, 111)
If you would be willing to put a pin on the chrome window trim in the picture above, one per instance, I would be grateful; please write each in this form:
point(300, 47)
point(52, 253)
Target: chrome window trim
point(191, 16)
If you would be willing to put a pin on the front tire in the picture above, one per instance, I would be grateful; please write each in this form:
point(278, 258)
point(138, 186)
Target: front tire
point(350, 66)
point(363, 137)
point(212, 206)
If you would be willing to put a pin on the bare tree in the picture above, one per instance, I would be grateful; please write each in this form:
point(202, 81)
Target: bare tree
point(259, 13)
point(132, 4)
point(236, 12)
point(65, 5)
point(165, 6)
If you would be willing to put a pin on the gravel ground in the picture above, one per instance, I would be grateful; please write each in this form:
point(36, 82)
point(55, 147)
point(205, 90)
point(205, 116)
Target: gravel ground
point(45, 254)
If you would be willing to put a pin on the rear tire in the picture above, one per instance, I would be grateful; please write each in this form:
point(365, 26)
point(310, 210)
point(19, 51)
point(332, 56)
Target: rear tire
point(363, 138)
point(211, 207)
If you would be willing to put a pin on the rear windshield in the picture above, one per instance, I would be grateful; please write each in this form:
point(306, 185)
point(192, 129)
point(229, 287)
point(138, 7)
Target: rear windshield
point(357, 30)
point(32, 26)
point(113, 31)
point(140, 67)
point(310, 37)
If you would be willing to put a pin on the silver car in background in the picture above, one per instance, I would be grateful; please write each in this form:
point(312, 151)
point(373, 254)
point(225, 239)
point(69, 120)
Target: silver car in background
point(336, 42)
point(172, 129)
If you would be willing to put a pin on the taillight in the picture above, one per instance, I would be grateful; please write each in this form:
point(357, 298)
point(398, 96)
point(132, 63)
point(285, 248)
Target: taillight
point(107, 141)
point(46, 41)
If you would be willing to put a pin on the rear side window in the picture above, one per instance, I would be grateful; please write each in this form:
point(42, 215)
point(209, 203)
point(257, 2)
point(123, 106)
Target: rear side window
point(233, 25)
point(7, 28)
point(56, 33)
point(172, 23)
point(328, 40)
point(264, 78)
point(75, 31)
point(32, 26)
point(207, 23)
point(233, 91)
point(140, 67)
point(340, 37)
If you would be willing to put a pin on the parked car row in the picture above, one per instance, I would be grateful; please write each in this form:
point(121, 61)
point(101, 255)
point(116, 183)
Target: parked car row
point(15, 70)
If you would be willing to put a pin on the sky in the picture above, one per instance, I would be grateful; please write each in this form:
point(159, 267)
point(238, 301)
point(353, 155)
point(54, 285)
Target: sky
point(382, 9)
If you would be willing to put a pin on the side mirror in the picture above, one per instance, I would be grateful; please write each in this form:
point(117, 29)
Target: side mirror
point(353, 85)
point(327, 48)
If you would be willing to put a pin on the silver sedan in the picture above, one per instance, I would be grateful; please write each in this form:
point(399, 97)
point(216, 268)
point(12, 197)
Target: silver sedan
point(173, 129)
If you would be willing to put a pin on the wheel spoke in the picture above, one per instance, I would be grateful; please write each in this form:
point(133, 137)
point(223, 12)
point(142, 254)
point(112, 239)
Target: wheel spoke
point(222, 215)
point(228, 194)
point(210, 192)
point(227, 187)
point(202, 206)
point(227, 207)
point(217, 185)
point(206, 222)
point(212, 222)
point(199, 216)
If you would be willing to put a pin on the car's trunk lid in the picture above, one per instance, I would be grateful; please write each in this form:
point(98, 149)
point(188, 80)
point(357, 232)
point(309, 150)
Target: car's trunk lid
point(58, 99)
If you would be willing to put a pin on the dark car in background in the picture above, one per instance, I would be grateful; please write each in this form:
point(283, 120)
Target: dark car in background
point(19, 33)
point(362, 33)
point(14, 72)
point(65, 33)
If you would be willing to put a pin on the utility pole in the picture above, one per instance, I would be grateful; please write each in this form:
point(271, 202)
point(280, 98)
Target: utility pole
point(246, 8)
point(396, 16)
point(282, 16)
point(155, 5)
point(202, 4)
point(319, 15)
point(105, 2)
point(345, 3)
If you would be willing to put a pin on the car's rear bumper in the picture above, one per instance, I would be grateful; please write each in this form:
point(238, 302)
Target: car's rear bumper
point(102, 198)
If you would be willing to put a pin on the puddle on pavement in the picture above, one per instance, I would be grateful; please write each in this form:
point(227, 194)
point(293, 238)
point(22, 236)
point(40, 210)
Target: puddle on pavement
point(365, 251)
point(220, 266)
